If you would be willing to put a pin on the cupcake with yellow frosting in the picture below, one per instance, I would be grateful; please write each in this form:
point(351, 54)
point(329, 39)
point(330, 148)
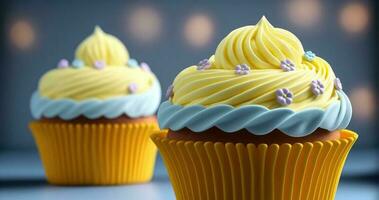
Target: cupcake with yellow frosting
point(259, 119)
point(94, 116)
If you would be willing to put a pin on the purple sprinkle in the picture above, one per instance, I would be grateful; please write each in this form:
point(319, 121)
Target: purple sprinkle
point(132, 88)
point(63, 63)
point(203, 64)
point(145, 67)
point(284, 96)
point(338, 84)
point(242, 69)
point(170, 91)
point(279, 93)
point(281, 100)
point(317, 87)
point(99, 64)
point(287, 65)
point(289, 94)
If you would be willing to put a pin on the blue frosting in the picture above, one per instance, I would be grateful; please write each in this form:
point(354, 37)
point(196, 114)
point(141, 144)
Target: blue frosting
point(256, 119)
point(134, 105)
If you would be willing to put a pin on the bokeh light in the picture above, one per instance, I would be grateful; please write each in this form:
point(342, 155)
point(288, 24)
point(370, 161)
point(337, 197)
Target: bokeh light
point(363, 101)
point(304, 13)
point(198, 30)
point(22, 34)
point(354, 17)
point(145, 23)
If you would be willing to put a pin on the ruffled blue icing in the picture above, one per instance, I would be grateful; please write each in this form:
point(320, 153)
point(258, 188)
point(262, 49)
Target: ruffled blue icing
point(134, 105)
point(256, 119)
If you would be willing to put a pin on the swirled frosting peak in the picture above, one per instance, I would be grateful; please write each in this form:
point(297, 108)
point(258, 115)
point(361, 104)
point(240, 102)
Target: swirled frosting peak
point(104, 47)
point(261, 47)
point(100, 82)
point(259, 79)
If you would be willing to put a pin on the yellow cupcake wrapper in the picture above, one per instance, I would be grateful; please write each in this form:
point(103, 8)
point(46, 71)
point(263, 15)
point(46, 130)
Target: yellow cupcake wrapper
point(215, 170)
point(96, 154)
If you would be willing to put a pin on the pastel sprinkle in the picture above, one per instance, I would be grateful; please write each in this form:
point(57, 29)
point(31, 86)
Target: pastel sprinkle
point(310, 56)
point(284, 96)
point(287, 65)
point(132, 63)
point(317, 87)
point(242, 69)
point(63, 63)
point(77, 63)
point(99, 64)
point(338, 84)
point(145, 67)
point(132, 88)
point(203, 64)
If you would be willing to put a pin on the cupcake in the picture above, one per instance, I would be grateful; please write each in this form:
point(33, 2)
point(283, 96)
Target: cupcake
point(259, 119)
point(94, 116)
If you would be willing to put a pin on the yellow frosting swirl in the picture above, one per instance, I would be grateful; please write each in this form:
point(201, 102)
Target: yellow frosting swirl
point(88, 82)
point(102, 46)
point(262, 47)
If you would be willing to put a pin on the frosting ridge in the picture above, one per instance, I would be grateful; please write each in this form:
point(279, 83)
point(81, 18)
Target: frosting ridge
point(84, 83)
point(219, 86)
point(256, 119)
point(135, 105)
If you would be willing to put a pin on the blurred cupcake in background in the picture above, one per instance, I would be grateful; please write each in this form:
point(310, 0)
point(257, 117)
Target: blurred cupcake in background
point(260, 119)
point(94, 116)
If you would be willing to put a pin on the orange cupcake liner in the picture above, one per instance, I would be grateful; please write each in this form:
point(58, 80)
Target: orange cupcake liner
point(96, 154)
point(215, 170)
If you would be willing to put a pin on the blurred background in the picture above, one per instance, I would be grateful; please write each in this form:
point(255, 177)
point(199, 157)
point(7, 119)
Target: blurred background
point(171, 35)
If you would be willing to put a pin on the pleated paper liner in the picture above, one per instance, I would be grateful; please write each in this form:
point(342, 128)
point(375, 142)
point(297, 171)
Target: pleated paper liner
point(96, 154)
point(215, 170)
